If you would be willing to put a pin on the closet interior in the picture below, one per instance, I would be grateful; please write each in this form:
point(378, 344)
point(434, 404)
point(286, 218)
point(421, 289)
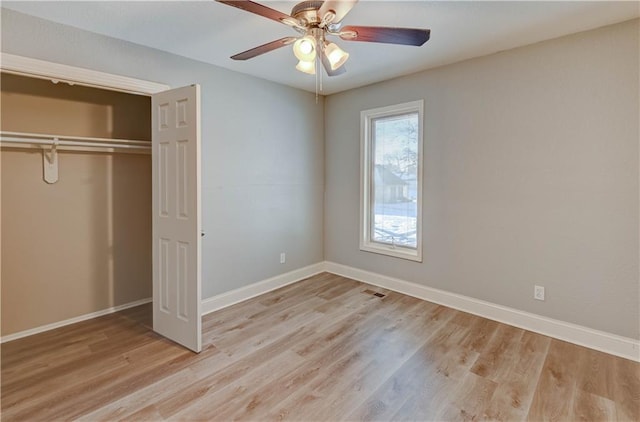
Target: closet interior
point(75, 201)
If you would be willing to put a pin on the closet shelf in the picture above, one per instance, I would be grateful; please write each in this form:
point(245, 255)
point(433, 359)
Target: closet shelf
point(76, 143)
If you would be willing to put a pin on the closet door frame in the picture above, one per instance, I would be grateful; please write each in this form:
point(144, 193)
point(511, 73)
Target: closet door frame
point(35, 68)
point(61, 73)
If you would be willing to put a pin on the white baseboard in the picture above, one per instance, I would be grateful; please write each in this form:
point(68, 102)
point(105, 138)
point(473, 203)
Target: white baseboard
point(241, 294)
point(599, 340)
point(70, 321)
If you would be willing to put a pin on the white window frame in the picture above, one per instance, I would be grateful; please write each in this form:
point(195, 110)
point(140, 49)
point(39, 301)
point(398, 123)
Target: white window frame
point(366, 196)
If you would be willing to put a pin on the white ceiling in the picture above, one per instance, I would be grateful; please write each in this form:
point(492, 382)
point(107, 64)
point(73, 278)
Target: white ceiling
point(211, 32)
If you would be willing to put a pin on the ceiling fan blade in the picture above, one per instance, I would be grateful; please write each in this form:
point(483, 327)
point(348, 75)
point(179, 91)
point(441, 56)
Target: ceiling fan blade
point(264, 48)
point(340, 8)
point(405, 36)
point(327, 67)
point(261, 10)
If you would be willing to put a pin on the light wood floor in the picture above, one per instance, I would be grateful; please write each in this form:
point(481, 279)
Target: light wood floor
point(322, 349)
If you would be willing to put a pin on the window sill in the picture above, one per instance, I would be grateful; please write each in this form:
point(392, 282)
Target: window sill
point(393, 251)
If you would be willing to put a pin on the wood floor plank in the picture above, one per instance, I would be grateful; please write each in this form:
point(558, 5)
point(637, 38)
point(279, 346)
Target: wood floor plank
point(322, 349)
point(591, 407)
point(23, 391)
point(348, 325)
point(149, 413)
point(235, 318)
point(501, 351)
point(555, 393)
point(337, 363)
point(32, 368)
point(420, 378)
point(66, 372)
point(218, 405)
point(261, 330)
point(626, 387)
point(599, 379)
point(481, 332)
point(110, 385)
point(443, 363)
point(468, 400)
point(141, 399)
point(218, 380)
point(517, 383)
point(348, 381)
point(25, 349)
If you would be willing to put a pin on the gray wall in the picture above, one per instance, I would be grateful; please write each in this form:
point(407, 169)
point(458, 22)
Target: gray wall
point(531, 177)
point(262, 150)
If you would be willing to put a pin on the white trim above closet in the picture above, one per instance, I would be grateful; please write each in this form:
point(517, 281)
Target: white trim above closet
point(72, 75)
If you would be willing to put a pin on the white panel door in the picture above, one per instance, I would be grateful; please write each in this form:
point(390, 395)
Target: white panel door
point(176, 215)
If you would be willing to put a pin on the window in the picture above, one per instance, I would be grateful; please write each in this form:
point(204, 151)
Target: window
point(391, 180)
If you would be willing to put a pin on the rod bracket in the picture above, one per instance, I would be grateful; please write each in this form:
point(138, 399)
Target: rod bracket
point(50, 163)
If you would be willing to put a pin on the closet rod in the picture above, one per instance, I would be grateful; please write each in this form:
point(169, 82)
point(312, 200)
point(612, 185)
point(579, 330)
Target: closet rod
point(71, 143)
point(26, 140)
point(49, 139)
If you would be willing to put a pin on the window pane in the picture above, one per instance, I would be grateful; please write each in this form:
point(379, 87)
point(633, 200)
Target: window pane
point(395, 180)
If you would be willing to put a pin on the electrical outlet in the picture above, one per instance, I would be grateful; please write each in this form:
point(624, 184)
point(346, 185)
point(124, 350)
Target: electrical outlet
point(538, 292)
point(283, 257)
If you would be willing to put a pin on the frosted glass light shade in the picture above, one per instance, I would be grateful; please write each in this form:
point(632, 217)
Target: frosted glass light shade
point(305, 48)
point(306, 67)
point(336, 56)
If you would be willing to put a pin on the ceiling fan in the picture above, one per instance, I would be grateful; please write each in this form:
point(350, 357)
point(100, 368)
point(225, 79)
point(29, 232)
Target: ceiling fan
point(314, 21)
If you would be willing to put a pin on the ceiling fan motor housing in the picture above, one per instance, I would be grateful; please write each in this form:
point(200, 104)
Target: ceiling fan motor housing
point(307, 12)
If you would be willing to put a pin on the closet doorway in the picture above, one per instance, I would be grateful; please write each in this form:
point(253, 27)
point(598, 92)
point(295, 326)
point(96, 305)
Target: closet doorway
point(101, 199)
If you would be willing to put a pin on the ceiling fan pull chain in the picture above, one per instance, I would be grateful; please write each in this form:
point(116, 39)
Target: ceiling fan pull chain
point(317, 71)
point(321, 72)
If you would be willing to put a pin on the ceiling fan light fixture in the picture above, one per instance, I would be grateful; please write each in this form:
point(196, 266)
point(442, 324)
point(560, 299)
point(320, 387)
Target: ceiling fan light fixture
point(336, 56)
point(307, 67)
point(305, 48)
